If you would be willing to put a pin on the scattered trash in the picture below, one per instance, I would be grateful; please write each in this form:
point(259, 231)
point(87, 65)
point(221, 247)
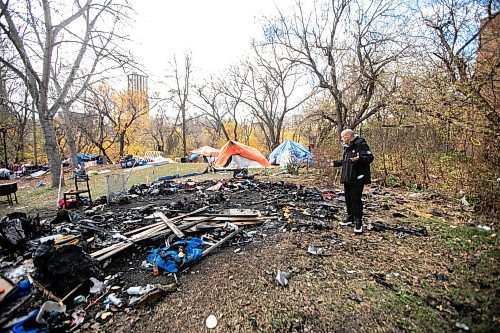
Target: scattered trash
point(355, 298)
point(97, 287)
point(140, 290)
point(68, 263)
point(484, 227)
point(49, 308)
point(76, 246)
point(283, 277)
point(79, 299)
point(379, 226)
point(312, 249)
point(211, 322)
point(462, 327)
point(115, 300)
point(41, 184)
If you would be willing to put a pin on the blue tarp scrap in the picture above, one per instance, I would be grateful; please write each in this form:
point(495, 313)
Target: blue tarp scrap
point(299, 152)
point(194, 156)
point(168, 258)
point(81, 158)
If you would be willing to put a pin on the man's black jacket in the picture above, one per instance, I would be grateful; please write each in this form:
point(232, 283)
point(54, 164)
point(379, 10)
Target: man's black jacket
point(359, 171)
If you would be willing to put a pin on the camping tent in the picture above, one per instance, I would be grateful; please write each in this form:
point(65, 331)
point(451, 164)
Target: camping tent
point(205, 151)
point(235, 155)
point(290, 152)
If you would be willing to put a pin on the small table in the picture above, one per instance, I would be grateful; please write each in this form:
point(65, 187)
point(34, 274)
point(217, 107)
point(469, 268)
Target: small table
point(7, 189)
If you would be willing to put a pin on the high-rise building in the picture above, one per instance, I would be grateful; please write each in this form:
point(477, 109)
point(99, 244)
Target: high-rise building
point(138, 83)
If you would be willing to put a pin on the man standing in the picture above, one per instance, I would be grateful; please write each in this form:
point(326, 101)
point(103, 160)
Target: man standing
point(354, 175)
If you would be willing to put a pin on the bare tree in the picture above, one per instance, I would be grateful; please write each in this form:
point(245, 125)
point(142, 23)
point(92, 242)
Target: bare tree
point(214, 105)
point(471, 68)
point(39, 54)
point(348, 46)
point(14, 112)
point(93, 122)
point(179, 94)
point(272, 88)
point(164, 131)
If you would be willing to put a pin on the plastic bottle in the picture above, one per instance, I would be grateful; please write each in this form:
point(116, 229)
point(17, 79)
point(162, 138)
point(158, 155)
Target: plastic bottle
point(115, 300)
point(155, 268)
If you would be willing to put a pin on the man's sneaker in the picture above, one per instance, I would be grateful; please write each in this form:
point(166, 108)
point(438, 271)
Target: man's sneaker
point(346, 223)
point(358, 228)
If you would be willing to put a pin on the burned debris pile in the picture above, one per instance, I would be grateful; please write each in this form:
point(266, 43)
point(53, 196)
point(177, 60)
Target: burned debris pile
point(86, 265)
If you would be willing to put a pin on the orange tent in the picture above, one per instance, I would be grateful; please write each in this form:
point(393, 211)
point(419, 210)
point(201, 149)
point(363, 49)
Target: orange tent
point(206, 151)
point(237, 154)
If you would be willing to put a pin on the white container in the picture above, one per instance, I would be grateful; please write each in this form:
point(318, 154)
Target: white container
point(49, 306)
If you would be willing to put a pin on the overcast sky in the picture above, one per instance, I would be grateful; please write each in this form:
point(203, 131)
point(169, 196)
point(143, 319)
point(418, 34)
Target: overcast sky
point(217, 32)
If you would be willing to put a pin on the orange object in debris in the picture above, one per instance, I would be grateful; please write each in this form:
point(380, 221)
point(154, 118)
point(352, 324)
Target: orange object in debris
point(2, 290)
point(155, 268)
point(233, 148)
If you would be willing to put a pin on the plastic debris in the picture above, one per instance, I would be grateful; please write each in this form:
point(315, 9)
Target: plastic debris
point(283, 277)
point(115, 300)
point(96, 288)
point(79, 299)
point(211, 322)
point(462, 327)
point(140, 290)
point(484, 227)
point(312, 249)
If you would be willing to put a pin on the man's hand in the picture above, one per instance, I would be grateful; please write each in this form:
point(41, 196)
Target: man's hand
point(355, 158)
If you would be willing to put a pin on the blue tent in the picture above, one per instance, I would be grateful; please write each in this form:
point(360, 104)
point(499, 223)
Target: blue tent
point(290, 151)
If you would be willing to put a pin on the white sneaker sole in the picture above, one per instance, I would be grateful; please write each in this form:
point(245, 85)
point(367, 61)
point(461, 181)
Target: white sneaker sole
point(358, 231)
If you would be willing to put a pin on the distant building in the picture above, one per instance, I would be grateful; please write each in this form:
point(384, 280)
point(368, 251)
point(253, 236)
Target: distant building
point(137, 82)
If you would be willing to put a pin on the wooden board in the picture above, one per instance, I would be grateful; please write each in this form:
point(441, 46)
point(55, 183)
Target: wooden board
point(170, 224)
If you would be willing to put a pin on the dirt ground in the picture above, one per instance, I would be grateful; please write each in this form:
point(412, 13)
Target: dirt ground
point(376, 282)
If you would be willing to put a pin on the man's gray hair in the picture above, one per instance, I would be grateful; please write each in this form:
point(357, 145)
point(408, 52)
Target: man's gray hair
point(348, 131)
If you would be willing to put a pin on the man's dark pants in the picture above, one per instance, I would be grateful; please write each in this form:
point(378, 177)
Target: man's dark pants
point(353, 193)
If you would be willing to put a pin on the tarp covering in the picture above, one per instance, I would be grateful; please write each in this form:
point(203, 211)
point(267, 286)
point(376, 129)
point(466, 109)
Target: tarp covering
point(288, 152)
point(86, 157)
point(234, 148)
point(206, 151)
point(193, 157)
point(168, 258)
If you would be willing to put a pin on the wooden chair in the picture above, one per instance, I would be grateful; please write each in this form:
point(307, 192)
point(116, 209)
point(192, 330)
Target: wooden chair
point(78, 191)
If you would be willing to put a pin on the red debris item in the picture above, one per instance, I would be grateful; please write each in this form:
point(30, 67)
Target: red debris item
point(328, 195)
point(189, 184)
point(2, 290)
point(68, 204)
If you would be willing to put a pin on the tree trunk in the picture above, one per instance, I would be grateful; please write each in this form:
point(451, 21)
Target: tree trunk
point(184, 144)
point(52, 149)
point(121, 139)
point(19, 146)
point(69, 136)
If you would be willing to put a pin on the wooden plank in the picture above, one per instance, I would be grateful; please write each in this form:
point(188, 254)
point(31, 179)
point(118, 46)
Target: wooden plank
point(153, 230)
point(170, 224)
point(177, 218)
